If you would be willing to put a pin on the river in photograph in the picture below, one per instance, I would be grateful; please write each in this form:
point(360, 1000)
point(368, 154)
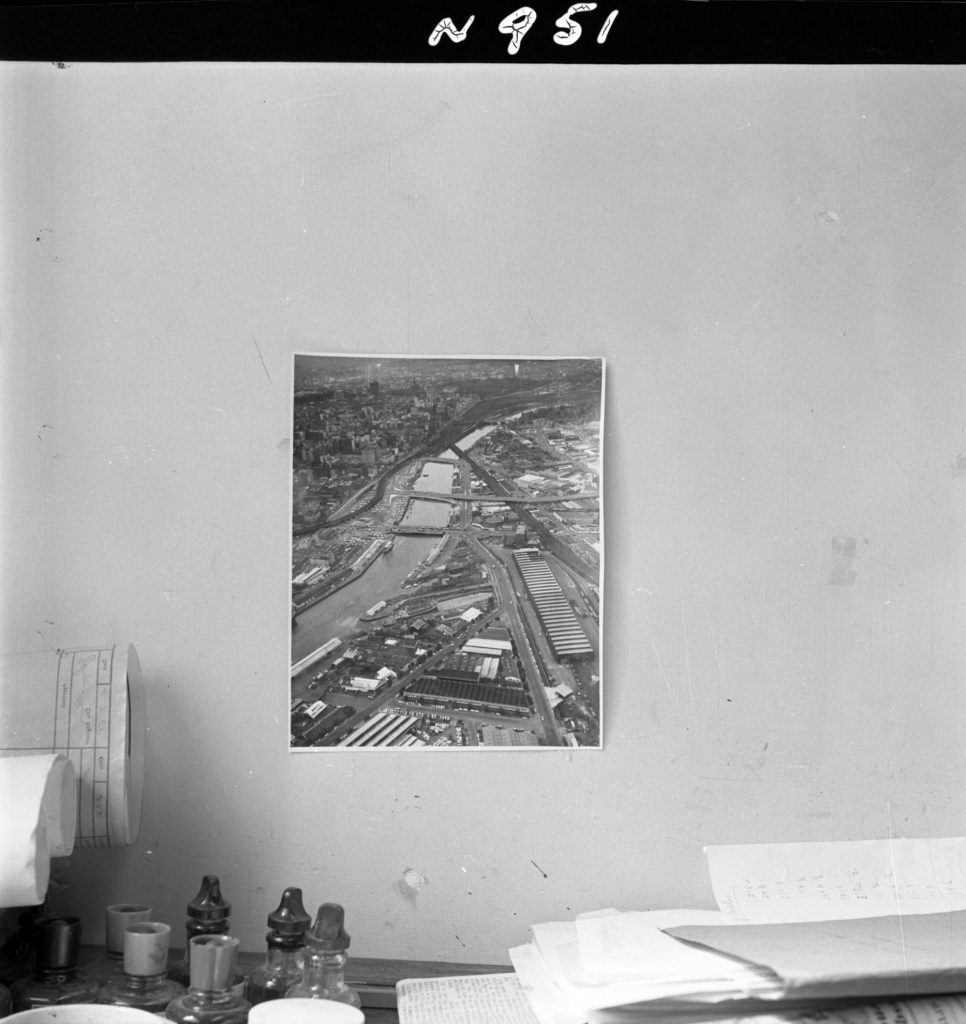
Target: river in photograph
point(438, 477)
point(338, 614)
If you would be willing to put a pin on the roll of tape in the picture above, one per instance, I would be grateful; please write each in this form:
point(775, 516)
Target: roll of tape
point(39, 815)
point(87, 704)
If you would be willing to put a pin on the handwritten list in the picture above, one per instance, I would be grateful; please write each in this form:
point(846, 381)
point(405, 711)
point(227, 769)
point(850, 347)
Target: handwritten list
point(785, 882)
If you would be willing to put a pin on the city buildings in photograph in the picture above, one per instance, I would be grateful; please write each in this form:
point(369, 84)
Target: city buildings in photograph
point(446, 552)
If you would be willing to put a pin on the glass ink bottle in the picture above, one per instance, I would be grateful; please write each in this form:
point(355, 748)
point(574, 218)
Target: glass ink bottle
point(56, 978)
point(208, 914)
point(210, 998)
point(323, 976)
point(286, 942)
point(108, 965)
point(144, 983)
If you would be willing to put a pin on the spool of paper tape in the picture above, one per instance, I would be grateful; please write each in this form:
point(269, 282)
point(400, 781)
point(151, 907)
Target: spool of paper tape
point(39, 798)
point(87, 704)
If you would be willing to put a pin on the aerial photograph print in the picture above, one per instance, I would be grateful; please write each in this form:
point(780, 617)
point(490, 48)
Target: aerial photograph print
point(446, 552)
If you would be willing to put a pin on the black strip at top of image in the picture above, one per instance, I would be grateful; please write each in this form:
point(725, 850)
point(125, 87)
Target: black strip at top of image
point(489, 31)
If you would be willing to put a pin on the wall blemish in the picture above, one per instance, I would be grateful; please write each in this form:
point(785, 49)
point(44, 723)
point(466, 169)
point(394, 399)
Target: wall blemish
point(410, 884)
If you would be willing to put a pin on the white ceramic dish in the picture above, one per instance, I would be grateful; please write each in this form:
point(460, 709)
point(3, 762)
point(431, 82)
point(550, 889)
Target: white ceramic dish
point(304, 1011)
point(82, 1013)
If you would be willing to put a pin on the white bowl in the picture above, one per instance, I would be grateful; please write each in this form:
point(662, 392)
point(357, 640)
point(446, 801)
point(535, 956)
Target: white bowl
point(304, 1011)
point(82, 1013)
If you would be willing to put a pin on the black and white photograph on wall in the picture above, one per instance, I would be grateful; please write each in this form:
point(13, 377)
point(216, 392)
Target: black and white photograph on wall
point(446, 552)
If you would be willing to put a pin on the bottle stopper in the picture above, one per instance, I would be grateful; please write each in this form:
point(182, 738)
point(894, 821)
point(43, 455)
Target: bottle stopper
point(213, 962)
point(290, 916)
point(57, 942)
point(328, 932)
point(146, 948)
point(209, 904)
point(117, 917)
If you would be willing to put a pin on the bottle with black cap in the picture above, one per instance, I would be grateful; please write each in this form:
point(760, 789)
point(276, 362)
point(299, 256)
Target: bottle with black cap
point(56, 978)
point(208, 914)
point(210, 998)
point(286, 942)
point(323, 976)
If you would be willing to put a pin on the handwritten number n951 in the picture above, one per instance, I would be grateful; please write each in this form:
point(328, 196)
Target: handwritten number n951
point(519, 23)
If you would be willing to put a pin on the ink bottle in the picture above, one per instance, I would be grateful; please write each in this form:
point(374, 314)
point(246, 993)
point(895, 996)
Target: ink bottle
point(108, 965)
point(56, 978)
point(208, 914)
point(210, 998)
point(144, 983)
point(286, 942)
point(323, 976)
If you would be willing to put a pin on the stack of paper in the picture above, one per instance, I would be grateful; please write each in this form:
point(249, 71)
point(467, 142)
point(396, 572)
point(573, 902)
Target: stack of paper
point(608, 959)
point(802, 927)
point(920, 954)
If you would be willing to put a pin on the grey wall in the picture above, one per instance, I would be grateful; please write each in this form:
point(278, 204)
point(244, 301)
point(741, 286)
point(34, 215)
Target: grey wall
point(771, 260)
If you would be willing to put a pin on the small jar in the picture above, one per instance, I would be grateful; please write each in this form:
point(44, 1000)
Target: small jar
point(56, 977)
point(109, 963)
point(210, 998)
point(144, 983)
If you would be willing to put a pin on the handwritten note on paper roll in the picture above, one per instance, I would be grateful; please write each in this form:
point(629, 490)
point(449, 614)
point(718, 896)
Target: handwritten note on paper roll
point(38, 793)
point(87, 704)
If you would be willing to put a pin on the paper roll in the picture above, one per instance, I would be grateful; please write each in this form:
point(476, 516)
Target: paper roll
point(87, 704)
point(38, 793)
